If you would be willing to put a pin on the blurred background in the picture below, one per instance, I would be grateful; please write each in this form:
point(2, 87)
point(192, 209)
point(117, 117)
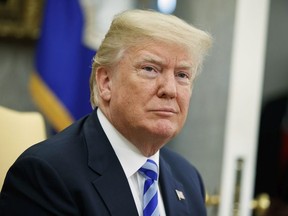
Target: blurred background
point(46, 48)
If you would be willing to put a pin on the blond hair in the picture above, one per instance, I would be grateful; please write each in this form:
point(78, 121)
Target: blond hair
point(132, 27)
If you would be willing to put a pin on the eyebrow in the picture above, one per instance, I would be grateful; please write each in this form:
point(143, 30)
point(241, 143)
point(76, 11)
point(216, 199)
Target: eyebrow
point(153, 59)
point(157, 60)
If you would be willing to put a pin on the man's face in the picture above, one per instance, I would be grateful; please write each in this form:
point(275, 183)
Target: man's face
point(150, 91)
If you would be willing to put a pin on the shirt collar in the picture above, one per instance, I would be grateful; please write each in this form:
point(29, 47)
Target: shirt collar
point(125, 150)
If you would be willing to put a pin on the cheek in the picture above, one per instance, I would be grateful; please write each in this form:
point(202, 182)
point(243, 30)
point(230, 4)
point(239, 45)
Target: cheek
point(140, 93)
point(122, 99)
point(125, 99)
point(184, 100)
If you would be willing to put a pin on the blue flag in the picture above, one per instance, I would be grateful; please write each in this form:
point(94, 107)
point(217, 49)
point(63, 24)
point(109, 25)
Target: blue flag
point(60, 83)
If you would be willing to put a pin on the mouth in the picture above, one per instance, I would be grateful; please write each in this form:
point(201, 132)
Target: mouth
point(165, 111)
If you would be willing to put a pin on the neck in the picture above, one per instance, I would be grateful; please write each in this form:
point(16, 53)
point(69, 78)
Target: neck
point(147, 143)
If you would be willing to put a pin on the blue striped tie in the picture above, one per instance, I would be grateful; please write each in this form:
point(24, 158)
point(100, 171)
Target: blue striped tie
point(150, 195)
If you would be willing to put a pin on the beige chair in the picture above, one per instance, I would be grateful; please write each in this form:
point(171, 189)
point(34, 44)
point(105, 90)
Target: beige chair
point(18, 131)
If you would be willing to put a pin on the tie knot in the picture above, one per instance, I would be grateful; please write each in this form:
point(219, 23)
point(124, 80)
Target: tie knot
point(149, 170)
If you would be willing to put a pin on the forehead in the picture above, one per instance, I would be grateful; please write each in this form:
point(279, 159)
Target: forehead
point(162, 53)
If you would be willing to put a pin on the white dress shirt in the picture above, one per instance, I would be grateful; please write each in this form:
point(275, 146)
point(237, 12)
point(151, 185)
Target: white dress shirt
point(131, 160)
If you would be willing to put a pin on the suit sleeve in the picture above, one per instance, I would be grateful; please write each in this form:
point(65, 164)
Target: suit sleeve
point(33, 187)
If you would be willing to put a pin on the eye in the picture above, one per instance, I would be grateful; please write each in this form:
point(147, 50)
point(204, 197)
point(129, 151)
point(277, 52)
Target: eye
point(148, 68)
point(148, 71)
point(183, 77)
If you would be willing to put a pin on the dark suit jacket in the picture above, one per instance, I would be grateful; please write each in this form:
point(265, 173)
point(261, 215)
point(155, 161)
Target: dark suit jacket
point(76, 172)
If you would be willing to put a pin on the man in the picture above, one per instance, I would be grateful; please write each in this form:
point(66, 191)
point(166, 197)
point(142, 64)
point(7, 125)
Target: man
point(141, 84)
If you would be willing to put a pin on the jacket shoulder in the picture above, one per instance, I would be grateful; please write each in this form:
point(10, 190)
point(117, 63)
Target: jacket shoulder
point(182, 169)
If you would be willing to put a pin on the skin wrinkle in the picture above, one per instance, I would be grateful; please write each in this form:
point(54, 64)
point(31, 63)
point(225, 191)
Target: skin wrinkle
point(148, 106)
point(182, 65)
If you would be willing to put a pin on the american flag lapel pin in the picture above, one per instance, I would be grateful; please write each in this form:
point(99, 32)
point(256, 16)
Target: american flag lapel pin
point(180, 195)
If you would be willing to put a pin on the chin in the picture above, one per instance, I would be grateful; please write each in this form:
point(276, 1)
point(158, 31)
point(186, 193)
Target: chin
point(165, 130)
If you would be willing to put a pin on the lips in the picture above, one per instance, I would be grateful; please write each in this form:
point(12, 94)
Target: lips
point(165, 111)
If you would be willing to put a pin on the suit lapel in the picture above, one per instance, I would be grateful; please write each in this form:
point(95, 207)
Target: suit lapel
point(111, 182)
point(168, 186)
point(115, 191)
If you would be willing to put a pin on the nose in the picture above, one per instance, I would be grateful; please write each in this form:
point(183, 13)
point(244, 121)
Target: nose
point(167, 86)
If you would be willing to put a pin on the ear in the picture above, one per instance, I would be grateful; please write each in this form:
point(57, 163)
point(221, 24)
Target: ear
point(103, 78)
